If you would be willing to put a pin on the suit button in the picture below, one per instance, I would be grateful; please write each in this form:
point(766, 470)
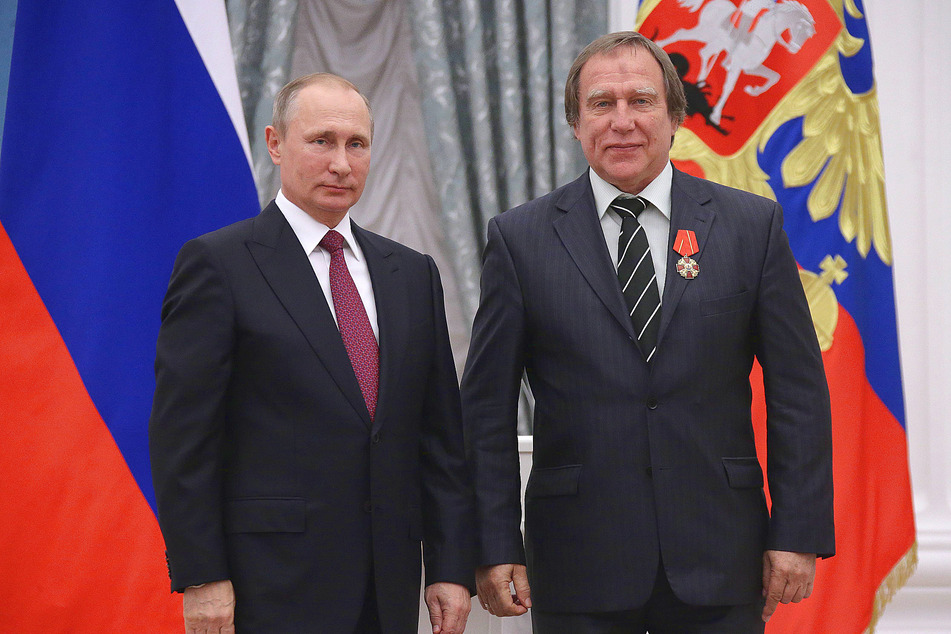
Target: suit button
point(652, 403)
point(375, 438)
point(650, 472)
point(368, 506)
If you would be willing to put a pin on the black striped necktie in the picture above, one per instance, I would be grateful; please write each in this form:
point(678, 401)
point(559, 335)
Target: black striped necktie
point(635, 271)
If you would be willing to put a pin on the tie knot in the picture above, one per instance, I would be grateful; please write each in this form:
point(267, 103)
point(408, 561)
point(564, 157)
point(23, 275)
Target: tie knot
point(332, 241)
point(627, 206)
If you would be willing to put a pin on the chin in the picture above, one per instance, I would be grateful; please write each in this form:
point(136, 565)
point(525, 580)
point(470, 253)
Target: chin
point(335, 203)
point(626, 176)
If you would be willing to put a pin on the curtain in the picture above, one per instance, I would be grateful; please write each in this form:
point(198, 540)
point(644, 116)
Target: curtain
point(492, 75)
point(262, 41)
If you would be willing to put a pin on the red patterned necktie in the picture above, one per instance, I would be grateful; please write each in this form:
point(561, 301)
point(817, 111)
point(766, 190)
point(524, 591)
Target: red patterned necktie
point(353, 322)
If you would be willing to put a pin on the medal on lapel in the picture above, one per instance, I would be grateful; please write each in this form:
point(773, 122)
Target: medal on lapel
point(686, 245)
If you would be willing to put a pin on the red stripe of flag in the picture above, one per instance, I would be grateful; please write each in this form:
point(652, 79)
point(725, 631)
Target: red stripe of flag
point(78, 538)
point(874, 522)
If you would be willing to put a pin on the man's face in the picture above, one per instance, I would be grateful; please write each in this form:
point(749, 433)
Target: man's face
point(325, 152)
point(623, 125)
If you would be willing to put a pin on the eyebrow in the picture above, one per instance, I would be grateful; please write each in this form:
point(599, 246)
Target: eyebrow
point(318, 133)
point(600, 93)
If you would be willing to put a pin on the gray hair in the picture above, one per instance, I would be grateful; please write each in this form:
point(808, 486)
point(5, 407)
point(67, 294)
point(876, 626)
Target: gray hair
point(673, 87)
point(286, 99)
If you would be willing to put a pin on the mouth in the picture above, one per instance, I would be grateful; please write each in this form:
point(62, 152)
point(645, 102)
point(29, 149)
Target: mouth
point(623, 148)
point(335, 188)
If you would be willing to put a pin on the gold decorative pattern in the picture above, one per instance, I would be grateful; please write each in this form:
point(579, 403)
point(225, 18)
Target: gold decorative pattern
point(900, 574)
point(822, 300)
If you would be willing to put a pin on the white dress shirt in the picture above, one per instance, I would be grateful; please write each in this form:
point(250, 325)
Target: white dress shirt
point(655, 219)
point(310, 232)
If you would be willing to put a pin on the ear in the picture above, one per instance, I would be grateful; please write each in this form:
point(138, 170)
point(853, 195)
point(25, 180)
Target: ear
point(574, 129)
point(273, 144)
point(675, 126)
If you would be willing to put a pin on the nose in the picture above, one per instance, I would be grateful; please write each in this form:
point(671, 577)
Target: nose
point(339, 162)
point(623, 119)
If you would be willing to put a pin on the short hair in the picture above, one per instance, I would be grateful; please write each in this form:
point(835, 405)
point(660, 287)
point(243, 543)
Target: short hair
point(673, 87)
point(286, 98)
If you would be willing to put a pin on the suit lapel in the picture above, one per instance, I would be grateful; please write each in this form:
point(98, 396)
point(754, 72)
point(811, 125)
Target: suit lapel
point(580, 231)
point(278, 255)
point(389, 291)
point(688, 211)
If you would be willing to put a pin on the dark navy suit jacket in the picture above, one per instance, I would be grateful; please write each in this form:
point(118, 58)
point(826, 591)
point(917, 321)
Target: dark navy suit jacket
point(633, 464)
point(267, 468)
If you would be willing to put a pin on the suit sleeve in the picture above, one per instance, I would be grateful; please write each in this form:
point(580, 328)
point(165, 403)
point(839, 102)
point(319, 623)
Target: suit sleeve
point(186, 429)
point(798, 416)
point(490, 390)
point(448, 534)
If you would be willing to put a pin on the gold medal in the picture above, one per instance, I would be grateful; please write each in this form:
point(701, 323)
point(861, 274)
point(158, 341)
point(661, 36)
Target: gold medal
point(688, 268)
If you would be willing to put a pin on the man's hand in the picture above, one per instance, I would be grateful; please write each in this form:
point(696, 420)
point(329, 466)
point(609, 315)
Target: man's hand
point(787, 577)
point(448, 605)
point(209, 609)
point(495, 594)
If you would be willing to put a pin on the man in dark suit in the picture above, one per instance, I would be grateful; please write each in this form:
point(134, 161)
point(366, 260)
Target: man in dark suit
point(645, 507)
point(298, 463)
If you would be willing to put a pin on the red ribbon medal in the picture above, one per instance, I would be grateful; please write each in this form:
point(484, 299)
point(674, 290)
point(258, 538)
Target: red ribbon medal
point(686, 245)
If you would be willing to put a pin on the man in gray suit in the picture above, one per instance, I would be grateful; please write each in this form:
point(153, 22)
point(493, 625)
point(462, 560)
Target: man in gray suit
point(636, 299)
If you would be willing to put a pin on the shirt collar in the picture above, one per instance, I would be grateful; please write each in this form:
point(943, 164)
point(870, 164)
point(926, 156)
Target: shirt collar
point(657, 191)
point(310, 232)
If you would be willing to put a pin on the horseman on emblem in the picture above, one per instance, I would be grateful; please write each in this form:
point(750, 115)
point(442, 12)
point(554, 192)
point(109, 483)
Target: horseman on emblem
point(747, 33)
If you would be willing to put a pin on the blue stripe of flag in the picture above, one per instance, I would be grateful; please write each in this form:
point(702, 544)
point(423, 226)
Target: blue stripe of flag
point(868, 293)
point(116, 150)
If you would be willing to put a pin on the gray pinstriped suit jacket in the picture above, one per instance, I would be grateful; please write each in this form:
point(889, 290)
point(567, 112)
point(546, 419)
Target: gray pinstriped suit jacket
point(633, 464)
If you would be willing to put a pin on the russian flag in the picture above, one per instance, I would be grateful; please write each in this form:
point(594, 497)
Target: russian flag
point(809, 137)
point(117, 148)
point(874, 519)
